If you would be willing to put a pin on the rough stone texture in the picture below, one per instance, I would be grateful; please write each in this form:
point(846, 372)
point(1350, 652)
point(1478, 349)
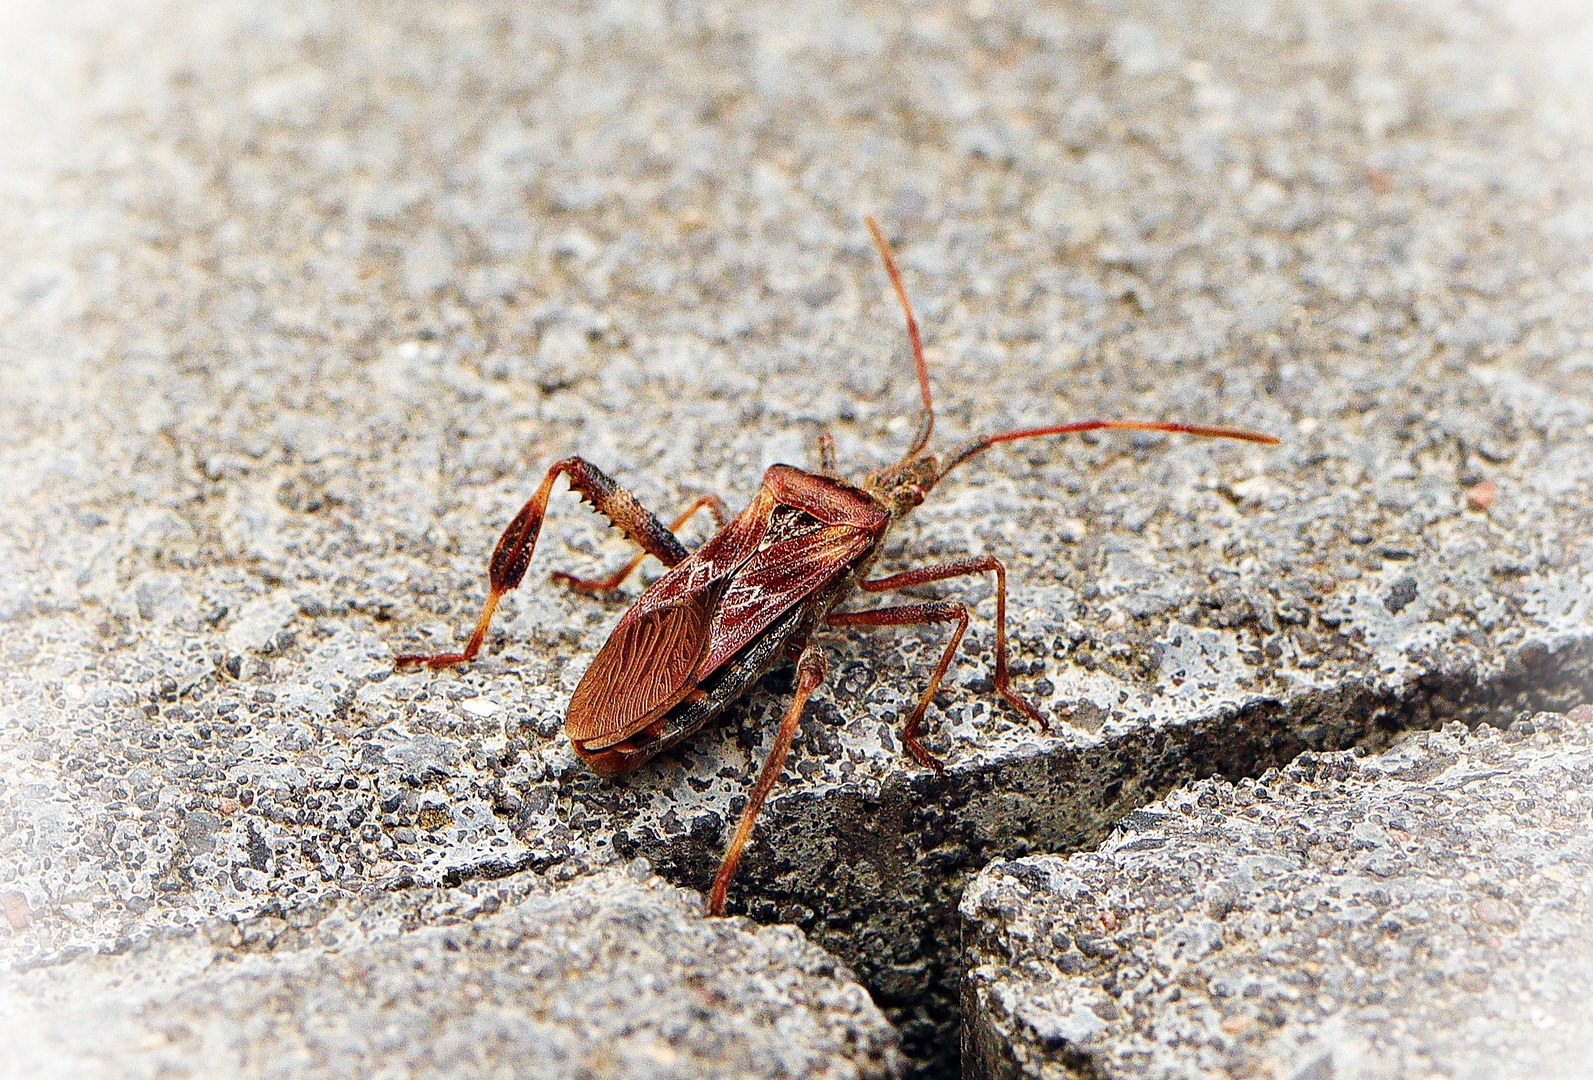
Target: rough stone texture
point(1427, 912)
point(612, 974)
point(297, 301)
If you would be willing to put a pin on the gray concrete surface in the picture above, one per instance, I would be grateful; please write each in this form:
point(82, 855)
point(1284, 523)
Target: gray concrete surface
point(605, 974)
point(1425, 912)
point(297, 301)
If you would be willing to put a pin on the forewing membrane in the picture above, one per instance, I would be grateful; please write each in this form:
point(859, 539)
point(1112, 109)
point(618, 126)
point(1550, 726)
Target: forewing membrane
point(645, 667)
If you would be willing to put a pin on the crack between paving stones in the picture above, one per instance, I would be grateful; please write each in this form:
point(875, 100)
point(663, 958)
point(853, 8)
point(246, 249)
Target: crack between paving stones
point(876, 878)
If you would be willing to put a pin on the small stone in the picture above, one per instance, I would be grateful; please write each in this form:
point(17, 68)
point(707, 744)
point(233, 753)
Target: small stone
point(1493, 912)
point(1235, 1025)
point(1481, 496)
point(15, 905)
point(481, 707)
point(1400, 594)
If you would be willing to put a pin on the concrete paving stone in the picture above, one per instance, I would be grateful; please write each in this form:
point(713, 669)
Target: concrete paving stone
point(297, 301)
point(1427, 912)
point(606, 973)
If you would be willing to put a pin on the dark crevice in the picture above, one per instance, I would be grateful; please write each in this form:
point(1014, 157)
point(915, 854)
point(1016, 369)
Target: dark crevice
point(492, 869)
point(876, 879)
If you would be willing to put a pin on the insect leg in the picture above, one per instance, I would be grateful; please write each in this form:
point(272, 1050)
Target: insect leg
point(826, 453)
point(810, 672)
point(934, 611)
point(976, 565)
point(614, 580)
point(513, 553)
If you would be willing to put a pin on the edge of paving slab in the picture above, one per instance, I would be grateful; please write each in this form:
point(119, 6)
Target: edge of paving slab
point(554, 974)
point(1067, 1020)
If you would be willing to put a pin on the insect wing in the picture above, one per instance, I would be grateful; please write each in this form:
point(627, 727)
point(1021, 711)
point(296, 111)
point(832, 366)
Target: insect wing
point(710, 564)
point(771, 581)
point(644, 668)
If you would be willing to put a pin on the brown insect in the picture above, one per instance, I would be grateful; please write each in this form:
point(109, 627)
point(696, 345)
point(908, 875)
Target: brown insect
point(758, 590)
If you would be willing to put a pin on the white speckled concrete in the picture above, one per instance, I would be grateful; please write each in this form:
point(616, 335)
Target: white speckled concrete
point(297, 302)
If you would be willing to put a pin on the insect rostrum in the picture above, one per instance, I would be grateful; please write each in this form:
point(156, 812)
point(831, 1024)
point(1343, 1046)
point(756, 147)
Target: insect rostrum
point(758, 590)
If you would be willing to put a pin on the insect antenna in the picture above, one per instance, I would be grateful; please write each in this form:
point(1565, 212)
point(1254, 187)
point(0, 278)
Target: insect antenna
point(985, 442)
point(926, 421)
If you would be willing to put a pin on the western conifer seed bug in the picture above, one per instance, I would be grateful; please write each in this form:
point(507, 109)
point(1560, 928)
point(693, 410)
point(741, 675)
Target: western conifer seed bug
point(758, 590)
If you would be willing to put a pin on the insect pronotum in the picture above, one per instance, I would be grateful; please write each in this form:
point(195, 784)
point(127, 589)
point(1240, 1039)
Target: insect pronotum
point(757, 591)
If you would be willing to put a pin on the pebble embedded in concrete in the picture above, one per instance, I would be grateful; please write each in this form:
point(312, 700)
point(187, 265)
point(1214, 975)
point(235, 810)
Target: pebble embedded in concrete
point(607, 973)
point(1424, 912)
